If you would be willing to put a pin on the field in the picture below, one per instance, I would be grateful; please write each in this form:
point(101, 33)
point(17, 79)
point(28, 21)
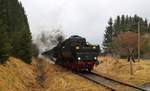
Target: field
point(41, 76)
point(120, 69)
point(44, 76)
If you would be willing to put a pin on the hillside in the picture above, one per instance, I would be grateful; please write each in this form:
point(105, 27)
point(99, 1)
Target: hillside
point(16, 76)
point(120, 69)
point(41, 76)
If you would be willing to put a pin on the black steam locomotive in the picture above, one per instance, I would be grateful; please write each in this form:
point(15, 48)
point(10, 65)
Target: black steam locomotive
point(75, 53)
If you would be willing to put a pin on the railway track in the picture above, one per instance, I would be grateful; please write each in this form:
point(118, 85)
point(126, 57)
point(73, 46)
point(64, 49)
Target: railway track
point(109, 83)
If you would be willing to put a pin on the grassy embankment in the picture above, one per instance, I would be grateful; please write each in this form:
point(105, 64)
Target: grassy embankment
point(120, 69)
point(16, 76)
point(41, 76)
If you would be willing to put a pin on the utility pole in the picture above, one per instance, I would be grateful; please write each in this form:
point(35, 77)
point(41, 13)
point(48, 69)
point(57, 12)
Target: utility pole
point(139, 41)
point(131, 68)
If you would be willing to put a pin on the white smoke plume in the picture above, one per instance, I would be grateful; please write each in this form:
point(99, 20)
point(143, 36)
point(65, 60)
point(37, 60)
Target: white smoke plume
point(46, 40)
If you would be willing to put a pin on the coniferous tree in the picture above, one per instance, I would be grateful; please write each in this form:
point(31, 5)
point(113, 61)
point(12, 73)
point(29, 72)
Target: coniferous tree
point(5, 44)
point(5, 47)
point(117, 26)
point(123, 24)
point(145, 26)
point(108, 37)
point(129, 23)
point(22, 39)
point(15, 35)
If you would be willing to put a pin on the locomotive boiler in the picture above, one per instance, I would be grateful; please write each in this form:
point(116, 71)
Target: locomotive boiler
point(75, 53)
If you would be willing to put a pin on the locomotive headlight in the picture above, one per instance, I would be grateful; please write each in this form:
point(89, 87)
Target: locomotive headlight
point(79, 58)
point(94, 47)
point(87, 43)
point(77, 47)
point(95, 58)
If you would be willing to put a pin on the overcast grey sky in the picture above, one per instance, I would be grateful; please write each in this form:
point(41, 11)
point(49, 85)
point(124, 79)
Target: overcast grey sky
point(87, 18)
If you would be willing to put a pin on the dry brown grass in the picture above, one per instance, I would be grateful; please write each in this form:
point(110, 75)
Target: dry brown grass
point(120, 69)
point(18, 76)
point(59, 79)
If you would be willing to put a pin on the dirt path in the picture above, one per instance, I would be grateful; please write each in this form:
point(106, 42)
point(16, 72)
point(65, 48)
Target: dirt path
point(40, 76)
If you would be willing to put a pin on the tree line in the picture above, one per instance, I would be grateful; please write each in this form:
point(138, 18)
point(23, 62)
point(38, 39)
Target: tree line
point(122, 34)
point(15, 35)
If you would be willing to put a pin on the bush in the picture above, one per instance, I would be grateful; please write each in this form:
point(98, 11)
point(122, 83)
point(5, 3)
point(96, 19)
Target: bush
point(35, 50)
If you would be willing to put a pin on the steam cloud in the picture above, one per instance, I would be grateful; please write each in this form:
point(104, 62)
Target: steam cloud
point(46, 40)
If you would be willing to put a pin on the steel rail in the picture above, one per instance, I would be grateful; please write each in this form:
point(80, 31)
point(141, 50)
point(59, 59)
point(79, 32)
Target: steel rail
point(108, 82)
